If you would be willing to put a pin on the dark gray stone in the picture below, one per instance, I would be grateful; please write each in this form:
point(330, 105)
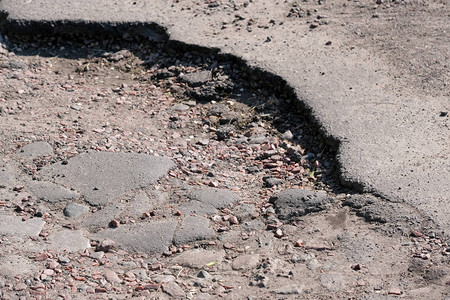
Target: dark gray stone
point(198, 208)
point(193, 229)
point(252, 169)
point(102, 176)
point(359, 201)
point(150, 238)
point(396, 215)
point(299, 202)
point(219, 198)
point(75, 210)
point(35, 150)
point(205, 93)
point(218, 110)
point(224, 132)
point(196, 79)
point(51, 192)
point(272, 181)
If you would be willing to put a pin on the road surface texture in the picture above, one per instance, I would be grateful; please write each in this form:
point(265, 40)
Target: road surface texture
point(198, 149)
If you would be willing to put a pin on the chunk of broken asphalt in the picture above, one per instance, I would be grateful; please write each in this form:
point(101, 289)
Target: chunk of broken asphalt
point(193, 229)
point(196, 79)
point(150, 238)
point(102, 176)
point(219, 198)
point(50, 192)
point(299, 202)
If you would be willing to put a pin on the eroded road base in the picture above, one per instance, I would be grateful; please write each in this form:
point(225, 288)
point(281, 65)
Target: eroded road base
point(134, 170)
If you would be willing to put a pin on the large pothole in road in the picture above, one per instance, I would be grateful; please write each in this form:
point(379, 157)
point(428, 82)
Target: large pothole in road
point(252, 188)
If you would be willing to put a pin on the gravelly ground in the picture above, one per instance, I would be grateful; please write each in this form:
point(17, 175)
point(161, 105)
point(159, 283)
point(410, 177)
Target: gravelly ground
point(227, 129)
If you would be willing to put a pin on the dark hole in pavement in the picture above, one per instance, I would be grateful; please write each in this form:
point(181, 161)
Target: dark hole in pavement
point(219, 78)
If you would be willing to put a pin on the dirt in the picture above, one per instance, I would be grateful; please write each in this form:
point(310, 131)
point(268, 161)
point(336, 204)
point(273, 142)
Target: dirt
point(81, 94)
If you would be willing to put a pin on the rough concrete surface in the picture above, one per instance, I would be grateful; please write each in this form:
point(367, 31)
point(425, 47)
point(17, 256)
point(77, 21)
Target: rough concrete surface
point(69, 241)
point(100, 177)
point(51, 192)
point(150, 238)
point(14, 225)
point(393, 138)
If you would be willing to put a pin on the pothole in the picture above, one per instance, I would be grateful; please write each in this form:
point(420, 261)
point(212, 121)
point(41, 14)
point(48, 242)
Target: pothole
point(237, 137)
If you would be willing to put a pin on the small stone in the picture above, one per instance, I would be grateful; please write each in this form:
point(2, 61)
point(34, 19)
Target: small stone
point(48, 272)
point(252, 169)
point(228, 246)
point(119, 55)
point(272, 181)
point(180, 107)
point(287, 135)
point(278, 233)
point(292, 289)
point(395, 291)
point(224, 132)
point(52, 264)
point(196, 79)
point(173, 289)
point(97, 255)
point(105, 245)
point(299, 243)
point(160, 278)
point(203, 274)
point(234, 220)
point(112, 276)
point(41, 256)
point(245, 262)
point(114, 223)
point(75, 210)
point(416, 233)
point(63, 259)
point(258, 139)
point(20, 287)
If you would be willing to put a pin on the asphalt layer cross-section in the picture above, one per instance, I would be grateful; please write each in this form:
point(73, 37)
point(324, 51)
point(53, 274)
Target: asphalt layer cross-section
point(395, 145)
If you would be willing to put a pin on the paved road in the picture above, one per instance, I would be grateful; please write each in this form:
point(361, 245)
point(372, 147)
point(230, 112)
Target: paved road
point(394, 144)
